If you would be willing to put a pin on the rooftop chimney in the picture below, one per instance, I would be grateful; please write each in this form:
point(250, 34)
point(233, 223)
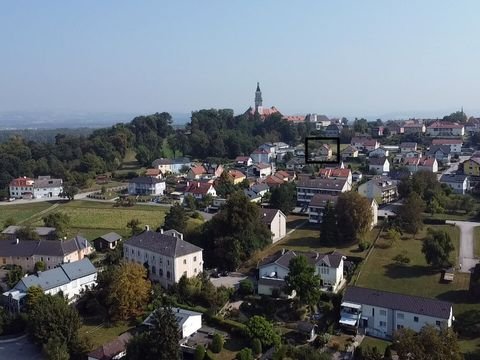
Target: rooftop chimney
point(17, 240)
point(147, 228)
point(161, 230)
point(283, 251)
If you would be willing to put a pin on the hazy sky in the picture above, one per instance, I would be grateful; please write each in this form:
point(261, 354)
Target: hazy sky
point(333, 57)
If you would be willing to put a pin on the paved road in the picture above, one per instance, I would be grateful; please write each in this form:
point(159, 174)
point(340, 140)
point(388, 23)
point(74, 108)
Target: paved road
point(21, 349)
point(466, 257)
point(454, 166)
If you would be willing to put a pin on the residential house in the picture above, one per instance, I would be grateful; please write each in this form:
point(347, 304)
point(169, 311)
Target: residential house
point(107, 242)
point(379, 152)
point(459, 183)
point(333, 130)
point(243, 161)
point(273, 181)
point(324, 152)
point(440, 152)
point(472, 126)
point(273, 270)
point(42, 187)
point(340, 173)
point(236, 176)
point(262, 170)
point(276, 221)
point(407, 147)
point(113, 350)
point(472, 166)
point(71, 279)
point(380, 165)
point(155, 173)
point(357, 176)
point(200, 189)
point(307, 187)
point(381, 313)
point(317, 206)
point(423, 164)
point(164, 165)
point(146, 185)
point(269, 147)
point(261, 156)
point(455, 144)
point(442, 128)
point(380, 188)
point(44, 233)
point(166, 254)
point(377, 131)
point(177, 164)
point(213, 171)
point(395, 128)
point(296, 163)
point(349, 152)
point(414, 128)
point(196, 172)
point(51, 252)
point(260, 189)
point(253, 196)
point(364, 143)
point(189, 322)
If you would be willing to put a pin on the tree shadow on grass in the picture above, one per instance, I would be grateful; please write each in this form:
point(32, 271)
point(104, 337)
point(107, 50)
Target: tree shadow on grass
point(460, 297)
point(294, 223)
point(399, 271)
point(236, 343)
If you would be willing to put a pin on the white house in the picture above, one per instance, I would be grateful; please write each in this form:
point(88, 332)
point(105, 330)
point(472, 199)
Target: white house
point(337, 173)
point(276, 221)
point(349, 152)
point(364, 143)
point(243, 161)
point(381, 188)
point(42, 187)
point(261, 156)
point(379, 152)
point(408, 146)
point(381, 313)
point(166, 254)
point(273, 270)
point(381, 165)
point(262, 170)
point(70, 279)
point(455, 144)
point(146, 185)
point(200, 189)
point(317, 207)
point(189, 322)
point(442, 128)
point(460, 184)
point(440, 152)
point(423, 164)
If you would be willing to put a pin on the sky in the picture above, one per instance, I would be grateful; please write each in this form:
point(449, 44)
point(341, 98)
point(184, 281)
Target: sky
point(340, 58)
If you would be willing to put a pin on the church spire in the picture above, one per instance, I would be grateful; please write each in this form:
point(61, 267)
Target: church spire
point(258, 99)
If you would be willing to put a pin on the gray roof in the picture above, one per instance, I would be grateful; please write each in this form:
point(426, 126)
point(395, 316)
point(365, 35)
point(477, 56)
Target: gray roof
point(162, 244)
point(377, 161)
point(26, 248)
point(47, 279)
point(79, 269)
point(146, 180)
point(41, 230)
point(321, 200)
point(401, 302)
point(453, 178)
point(259, 187)
point(111, 237)
point(251, 194)
point(267, 215)
point(23, 248)
point(408, 144)
point(443, 148)
point(271, 282)
point(282, 258)
point(47, 183)
point(321, 183)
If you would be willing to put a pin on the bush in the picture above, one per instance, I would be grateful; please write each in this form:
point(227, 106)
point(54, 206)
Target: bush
point(246, 287)
point(217, 343)
point(256, 346)
point(335, 345)
point(401, 259)
point(199, 353)
point(244, 354)
point(196, 215)
point(363, 245)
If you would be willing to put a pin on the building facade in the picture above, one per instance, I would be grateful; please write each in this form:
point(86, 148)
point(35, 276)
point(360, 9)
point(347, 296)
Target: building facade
point(146, 185)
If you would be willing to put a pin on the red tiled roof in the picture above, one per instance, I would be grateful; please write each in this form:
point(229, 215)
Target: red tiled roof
point(444, 125)
point(198, 188)
point(242, 158)
point(336, 172)
point(447, 141)
point(429, 161)
point(198, 170)
point(273, 180)
point(23, 181)
point(295, 118)
point(262, 166)
point(413, 125)
point(236, 174)
point(153, 172)
point(112, 348)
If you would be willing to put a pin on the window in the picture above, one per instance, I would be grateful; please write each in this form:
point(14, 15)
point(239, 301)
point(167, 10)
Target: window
point(160, 273)
point(438, 323)
point(154, 270)
point(415, 318)
point(184, 261)
point(194, 258)
point(400, 316)
point(195, 270)
point(399, 327)
point(4, 261)
point(373, 311)
point(383, 324)
point(185, 273)
point(168, 274)
point(133, 251)
point(168, 262)
point(383, 312)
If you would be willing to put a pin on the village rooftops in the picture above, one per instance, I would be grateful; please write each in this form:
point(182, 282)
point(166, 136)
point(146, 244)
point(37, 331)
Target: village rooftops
point(453, 178)
point(146, 180)
point(395, 301)
point(159, 243)
point(444, 125)
point(447, 141)
point(111, 237)
point(321, 200)
point(335, 172)
point(283, 257)
point(321, 183)
point(27, 248)
point(47, 182)
point(377, 161)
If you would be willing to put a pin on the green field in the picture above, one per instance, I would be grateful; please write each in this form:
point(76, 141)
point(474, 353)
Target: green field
point(100, 333)
point(371, 342)
point(21, 212)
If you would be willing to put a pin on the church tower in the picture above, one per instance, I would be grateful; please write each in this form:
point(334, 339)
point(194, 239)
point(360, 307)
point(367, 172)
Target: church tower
point(258, 100)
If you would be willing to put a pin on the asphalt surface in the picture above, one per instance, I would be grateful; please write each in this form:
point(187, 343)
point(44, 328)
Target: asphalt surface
point(21, 349)
point(466, 257)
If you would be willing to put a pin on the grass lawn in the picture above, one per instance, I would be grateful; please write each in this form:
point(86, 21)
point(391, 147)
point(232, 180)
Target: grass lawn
point(231, 347)
point(21, 212)
point(374, 342)
point(100, 333)
point(476, 241)
point(95, 218)
point(456, 216)
point(110, 184)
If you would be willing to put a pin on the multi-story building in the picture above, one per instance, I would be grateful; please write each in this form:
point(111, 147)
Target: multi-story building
point(171, 165)
point(455, 144)
point(146, 185)
point(166, 254)
point(42, 187)
point(71, 279)
point(380, 165)
point(380, 188)
point(459, 183)
point(440, 152)
point(337, 173)
point(200, 189)
point(442, 128)
point(472, 166)
point(381, 313)
point(307, 187)
point(422, 164)
point(317, 206)
point(414, 128)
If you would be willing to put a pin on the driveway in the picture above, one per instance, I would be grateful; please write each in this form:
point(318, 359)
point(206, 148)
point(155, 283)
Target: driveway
point(466, 257)
point(230, 281)
point(21, 349)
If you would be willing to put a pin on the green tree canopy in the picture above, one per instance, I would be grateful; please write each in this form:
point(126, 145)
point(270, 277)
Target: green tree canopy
point(260, 328)
point(410, 213)
point(302, 279)
point(176, 218)
point(437, 247)
point(354, 214)
point(60, 221)
point(328, 228)
point(284, 197)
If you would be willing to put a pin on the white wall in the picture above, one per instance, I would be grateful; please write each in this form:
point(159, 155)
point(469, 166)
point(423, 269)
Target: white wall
point(191, 325)
point(278, 227)
point(266, 270)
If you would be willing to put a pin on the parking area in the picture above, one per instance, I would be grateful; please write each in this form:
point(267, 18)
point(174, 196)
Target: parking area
point(230, 281)
point(21, 349)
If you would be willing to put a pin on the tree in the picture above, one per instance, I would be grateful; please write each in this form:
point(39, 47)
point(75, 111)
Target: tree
point(456, 117)
point(129, 291)
point(14, 275)
point(39, 266)
point(176, 218)
point(190, 202)
point(134, 226)
point(69, 192)
point(260, 328)
point(354, 214)
point(217, 343)
point(393, 235)
point(430, 343)
point(60, 221)
point(224, 185)
point(410, 213)
point(246, 287)
point(27, 232)
point(51, 317)
point(328, 228)
point(55, 349)
point(199, 353)
point(284, 197)
point(257, 346)
point(360, 125)
point(244, 354)
point(34, 293)
point(437, 248)
point(160, 341)
point(302, 279)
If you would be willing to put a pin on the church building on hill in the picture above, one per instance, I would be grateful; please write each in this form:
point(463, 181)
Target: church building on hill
point(259, 109)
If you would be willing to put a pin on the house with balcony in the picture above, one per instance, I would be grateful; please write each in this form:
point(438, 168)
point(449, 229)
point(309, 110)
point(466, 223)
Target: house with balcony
point(273, 270)
point(166, 254)
point(443, 128)
point(146, 185)
point(454, 144)
point(307, 187)
point(380, 313)
point(381, 188)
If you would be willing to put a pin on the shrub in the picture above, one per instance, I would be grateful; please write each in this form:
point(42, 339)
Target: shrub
point(196, 215)
point(256, 346)
point(244, 354)
point(401, 259)
point(246, 287)
point(363, 245)
point(335, 345)
point(276, 293)
point(217, 343)
point(199, 353)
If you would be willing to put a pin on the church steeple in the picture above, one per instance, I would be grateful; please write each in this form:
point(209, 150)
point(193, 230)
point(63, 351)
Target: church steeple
point(258, 99)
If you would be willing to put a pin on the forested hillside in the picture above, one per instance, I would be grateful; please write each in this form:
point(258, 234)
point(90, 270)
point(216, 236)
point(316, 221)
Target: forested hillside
point(78, 158)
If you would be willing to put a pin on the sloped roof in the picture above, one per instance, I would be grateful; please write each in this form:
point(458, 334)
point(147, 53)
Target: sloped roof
point(413, 304)
point(199, 188)
point(408, 145)
point(443, 148)
point(78, 269)
point(145, 180)
point(321, 200)
point(111, 237)
point(444, 125)
point(349, 149)
point(236, 174)
point(198, 170)
point(321, 183)
point(447, 141)
point(162, 244)
point(111, 349)
point(267, 215)
point(334, 172)
point(453, 178)
point(283, 257)
point(377, 161)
